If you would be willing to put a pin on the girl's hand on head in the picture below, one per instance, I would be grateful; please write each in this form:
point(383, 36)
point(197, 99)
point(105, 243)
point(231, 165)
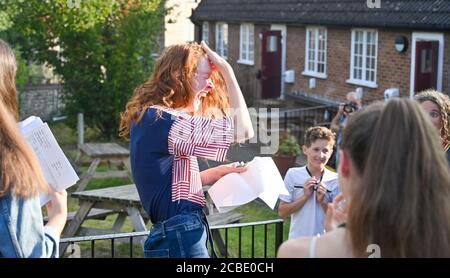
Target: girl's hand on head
point(216, 61)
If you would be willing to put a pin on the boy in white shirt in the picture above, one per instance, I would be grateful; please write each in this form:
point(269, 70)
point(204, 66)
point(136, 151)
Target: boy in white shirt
point(310, 187)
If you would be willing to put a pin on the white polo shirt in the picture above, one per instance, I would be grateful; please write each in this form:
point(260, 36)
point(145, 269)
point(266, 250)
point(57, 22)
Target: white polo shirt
point(309, 220)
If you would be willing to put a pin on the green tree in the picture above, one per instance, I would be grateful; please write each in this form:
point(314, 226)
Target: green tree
point(102, 49)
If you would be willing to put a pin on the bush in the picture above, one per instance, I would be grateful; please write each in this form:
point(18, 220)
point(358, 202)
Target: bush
point(288, 145)
point(101, 49)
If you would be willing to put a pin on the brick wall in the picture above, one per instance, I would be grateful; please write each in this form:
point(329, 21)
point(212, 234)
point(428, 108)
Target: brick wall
point(393, 68)
point(42, 100)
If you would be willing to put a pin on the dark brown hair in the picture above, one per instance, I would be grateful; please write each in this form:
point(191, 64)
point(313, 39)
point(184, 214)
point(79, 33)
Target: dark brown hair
point(402, 199)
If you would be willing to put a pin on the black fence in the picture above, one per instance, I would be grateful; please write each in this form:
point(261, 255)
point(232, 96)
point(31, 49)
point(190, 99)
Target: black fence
point(298, 120)
point(242, 240)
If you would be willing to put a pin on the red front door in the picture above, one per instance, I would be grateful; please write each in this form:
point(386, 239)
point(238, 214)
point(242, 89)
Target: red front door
point(427, 53)
point(271, 64)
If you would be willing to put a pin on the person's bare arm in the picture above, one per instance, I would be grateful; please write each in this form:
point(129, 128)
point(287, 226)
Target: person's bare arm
point(285, 209)
point(295, 248)
point(242, 122)
point(211, 175)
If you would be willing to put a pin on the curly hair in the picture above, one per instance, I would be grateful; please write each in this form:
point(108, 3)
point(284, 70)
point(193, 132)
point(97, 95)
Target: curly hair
point(443, 103)
point(171, 86)
point(319, 132)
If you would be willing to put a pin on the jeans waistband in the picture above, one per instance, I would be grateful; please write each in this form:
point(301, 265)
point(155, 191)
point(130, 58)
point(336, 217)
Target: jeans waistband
point(178, 221)
point(183, 221)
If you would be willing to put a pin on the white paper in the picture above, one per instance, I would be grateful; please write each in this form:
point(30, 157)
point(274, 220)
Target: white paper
point(57, 170)
point(262, 179)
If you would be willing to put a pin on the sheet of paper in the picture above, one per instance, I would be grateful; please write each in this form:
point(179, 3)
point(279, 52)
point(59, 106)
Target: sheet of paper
point(57, 169)
point(262, 179)
point(271, 182)
point(231, 191)
point(26, 126)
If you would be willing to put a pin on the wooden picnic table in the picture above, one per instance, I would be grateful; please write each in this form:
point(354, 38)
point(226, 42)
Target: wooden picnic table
point(124, 201)
point(99, 152)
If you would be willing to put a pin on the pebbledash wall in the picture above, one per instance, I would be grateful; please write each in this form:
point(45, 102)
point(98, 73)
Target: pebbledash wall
point(44, 101)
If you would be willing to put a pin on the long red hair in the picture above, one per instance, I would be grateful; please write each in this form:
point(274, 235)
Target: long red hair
point(171, 85)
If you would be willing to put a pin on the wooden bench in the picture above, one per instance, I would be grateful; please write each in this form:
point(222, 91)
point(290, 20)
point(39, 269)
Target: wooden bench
point(99, 152)
point(98, 214)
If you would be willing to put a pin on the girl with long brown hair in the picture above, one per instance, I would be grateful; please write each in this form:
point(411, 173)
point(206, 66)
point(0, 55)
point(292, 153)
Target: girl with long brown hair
point(395, 179)
point(190, 107)
point(22, 233)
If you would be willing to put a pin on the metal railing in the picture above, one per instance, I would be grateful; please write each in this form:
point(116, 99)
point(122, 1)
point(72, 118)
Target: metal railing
point(298, 120)
point(232, 244)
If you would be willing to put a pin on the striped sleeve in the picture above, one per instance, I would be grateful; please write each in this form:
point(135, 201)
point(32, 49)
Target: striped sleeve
point(197, 136)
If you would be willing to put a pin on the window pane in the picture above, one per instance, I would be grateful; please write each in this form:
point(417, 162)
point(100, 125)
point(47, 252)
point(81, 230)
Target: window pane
point(205, 33)
point(272, 44)
point(321, 68)
point(426, 61)
point(225, 40)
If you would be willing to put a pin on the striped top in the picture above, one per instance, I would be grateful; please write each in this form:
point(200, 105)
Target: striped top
point(164, 148)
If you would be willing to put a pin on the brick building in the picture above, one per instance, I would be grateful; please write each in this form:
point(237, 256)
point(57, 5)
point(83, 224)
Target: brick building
point(318, 50)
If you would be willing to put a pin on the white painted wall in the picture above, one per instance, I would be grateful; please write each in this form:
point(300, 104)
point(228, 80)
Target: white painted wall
point(182, 29)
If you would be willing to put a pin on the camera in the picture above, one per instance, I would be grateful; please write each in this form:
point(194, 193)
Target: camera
point(350, 107)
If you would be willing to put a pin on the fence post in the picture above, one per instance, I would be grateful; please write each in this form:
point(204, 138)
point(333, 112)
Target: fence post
point(285, 120)
point(80, 129)
point(278, 236)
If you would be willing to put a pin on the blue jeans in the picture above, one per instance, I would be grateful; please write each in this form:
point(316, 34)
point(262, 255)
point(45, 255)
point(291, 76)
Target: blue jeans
point(181, 236)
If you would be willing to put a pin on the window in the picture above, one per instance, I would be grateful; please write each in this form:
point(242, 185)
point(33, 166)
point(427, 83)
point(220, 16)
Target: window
point(363, 70)
point(247, 44)
point(272, 44)
point(222, 39)
point(316, 52)
point(426, 63)
point(205, 32)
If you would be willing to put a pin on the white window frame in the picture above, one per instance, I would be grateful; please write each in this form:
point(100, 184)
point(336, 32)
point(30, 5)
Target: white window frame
point(315, 72)
point(222, 39)
point(205, 32)
point(247, 44)
point(363, 81)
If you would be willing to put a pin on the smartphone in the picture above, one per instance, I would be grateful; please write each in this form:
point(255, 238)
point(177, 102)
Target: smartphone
point(242, 164)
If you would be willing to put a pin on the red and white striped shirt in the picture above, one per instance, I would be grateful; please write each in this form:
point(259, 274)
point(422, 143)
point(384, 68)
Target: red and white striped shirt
point(191, 137)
